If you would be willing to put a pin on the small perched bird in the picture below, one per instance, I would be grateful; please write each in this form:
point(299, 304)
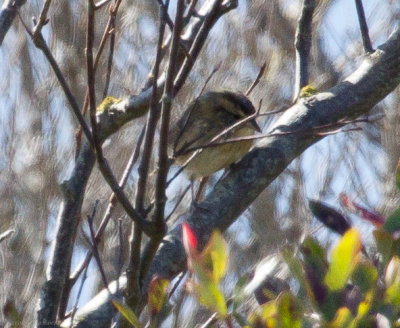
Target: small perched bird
point(205, 118)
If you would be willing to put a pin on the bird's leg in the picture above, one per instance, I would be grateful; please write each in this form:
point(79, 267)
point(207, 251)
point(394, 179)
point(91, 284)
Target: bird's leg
point(196, 196)
point(200, 191)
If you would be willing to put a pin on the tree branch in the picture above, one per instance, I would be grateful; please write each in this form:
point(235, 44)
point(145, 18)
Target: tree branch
point(7, 14)
point(73, 189)
point(303, 45)
point(363, 27)
point(377, 76)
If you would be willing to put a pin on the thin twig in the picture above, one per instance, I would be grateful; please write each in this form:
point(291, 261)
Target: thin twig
point(177, 283)
point(163, 165)
point(187, 150)
point(317, 131)
point(110, 208)
point(135, 240)
point(109, 29)
point(104, 167)
point(42, 18)
point(93, 245)
point(196, 46)
point(364, 27)
point(165, 118)
point(40, 43)
point(191, 11)
point(120, 251)
point(257, 80)
point(177, 203)
point(84, 276)
point(303, 46)
point(113, 14)
point(166, 45)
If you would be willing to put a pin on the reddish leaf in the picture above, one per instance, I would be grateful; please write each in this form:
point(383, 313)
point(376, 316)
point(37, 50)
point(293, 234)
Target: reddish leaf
point(365, 214)
point(189, 239)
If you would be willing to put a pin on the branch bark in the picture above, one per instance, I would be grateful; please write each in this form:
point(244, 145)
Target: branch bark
point(108, 122)
point(377, 76)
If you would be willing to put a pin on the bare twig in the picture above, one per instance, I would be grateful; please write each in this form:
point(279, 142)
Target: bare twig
point(8, 12)
point(133, 270)
point(317, 131)
point(84, 276)
point(109, 210)
point(363, 27)
point(74, 188)
point(165, 118)
point(120, 250)
point(163, 166)
point(93, 245)
point(104, 167)
point(166, 45)
point(187, 149)
point(182, 195)
point(197, 45)
point(257, 80)
point(109, 30)
point(40, 43)
point(303, 46)
point(191, 10)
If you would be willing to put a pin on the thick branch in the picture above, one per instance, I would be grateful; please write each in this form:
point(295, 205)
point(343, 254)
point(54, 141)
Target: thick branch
point(378, 75)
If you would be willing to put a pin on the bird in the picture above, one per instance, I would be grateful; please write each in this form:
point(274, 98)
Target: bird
point(204, 119)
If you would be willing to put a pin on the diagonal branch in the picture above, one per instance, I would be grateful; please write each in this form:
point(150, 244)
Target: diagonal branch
point(363, 27)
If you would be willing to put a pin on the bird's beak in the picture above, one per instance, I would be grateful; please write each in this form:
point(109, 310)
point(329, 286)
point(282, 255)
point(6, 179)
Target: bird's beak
point(255, 125)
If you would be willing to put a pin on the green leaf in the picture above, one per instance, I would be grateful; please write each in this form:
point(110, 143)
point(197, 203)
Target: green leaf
point(343, 260)
point(290, 312)
point(342, 319)
point(211, 297)
point(392, 280)
point(384, 243)
point(157, 294)
point(398, 175)
point(127, 312)
point(392, 224)
point(314, 257)
point(268, 314)
point(217, 249)
point(365, 276)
